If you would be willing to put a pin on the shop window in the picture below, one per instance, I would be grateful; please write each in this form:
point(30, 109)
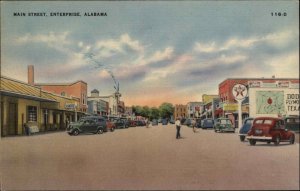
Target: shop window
point(32, 113)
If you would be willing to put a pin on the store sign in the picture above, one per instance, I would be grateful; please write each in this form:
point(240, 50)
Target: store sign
point(230, 107)
point(239, 91)
point(283, 84)
point(70, 106)
point(255, 84)
point(292, 103)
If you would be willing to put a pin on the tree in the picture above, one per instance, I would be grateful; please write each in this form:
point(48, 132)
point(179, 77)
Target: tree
point(145, 111)
point(166, 110)
point(154, 113)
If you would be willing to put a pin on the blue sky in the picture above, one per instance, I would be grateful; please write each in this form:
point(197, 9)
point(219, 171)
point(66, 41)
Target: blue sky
point(158, 51)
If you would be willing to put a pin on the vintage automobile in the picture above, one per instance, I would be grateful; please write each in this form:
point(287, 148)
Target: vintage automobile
point(270, 129)
point(223, 125)
point(207, 123)
point(121, 123)
point(90, 124)
point(140, 123)
point(111, 126)
point(245, 128)
point(292, 123)
point(154, 122)
point(164, 121)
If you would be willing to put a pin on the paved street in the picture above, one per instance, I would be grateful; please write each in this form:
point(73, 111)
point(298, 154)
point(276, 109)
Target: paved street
point(141, 158)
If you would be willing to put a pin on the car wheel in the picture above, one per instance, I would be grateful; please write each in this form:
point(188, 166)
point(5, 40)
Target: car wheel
point(252, 142)
point(277, 140)
point(100, 131)
point(75, 132)
point(268, 142)
point(292, 139)
point(242, 138)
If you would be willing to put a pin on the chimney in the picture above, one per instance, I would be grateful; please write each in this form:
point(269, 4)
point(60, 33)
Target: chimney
point(30, 75)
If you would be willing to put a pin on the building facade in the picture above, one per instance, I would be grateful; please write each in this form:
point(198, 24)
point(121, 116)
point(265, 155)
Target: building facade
point(112, 100)
point(97, 106)
point(76, 89)
point(180, 111)
point(194, 109)
point(23, 103)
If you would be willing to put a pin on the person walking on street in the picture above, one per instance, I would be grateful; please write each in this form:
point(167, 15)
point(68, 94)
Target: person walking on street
point(147, 122)
point(177, 123)
point(194, 125)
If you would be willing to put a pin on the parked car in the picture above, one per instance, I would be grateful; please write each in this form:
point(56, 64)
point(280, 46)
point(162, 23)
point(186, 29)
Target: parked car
point(90, 124)
point(140, 123)
point(159, 120)
point(132, 123)
point(164, 121)
point(110, 126)
point(245, 128)
point(121, 123)
point(172, 121)
point(292, 123)
point(224, 125)
point(154, 122)
point(207, 123)
point(187, 122)
point(198, 123)
point(270, 129)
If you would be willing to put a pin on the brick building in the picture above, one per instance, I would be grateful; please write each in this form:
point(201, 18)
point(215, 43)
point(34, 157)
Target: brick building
point(76, 89)
point(180, 111)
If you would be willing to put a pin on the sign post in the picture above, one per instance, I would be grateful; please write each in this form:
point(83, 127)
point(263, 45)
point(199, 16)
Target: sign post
point(240, 92)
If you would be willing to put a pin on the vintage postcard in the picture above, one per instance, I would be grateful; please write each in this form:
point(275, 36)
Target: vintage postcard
point(149, 95)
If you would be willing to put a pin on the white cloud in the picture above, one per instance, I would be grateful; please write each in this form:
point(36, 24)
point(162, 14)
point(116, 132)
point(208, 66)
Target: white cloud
point(206, 48)
point(161, 55)
point(110, 47)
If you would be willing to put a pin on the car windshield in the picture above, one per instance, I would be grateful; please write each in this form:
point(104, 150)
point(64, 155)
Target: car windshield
point(225, 121)
point(209, 121)
point(259, 121)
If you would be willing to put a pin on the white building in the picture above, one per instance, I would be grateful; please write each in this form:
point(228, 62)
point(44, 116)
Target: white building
point(194, 109)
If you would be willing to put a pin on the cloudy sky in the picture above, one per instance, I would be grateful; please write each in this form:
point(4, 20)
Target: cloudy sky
point(157, 51)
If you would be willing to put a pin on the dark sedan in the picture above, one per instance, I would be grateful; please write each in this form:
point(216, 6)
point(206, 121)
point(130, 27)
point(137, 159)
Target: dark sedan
point(91, 124)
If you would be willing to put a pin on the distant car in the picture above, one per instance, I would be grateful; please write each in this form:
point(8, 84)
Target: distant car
point(164, 121)
point(198, 123)
point(270, 129)
point(140, 123)
point(154, 122)
point(207, 123)
point(245, 128)
point(110, 126)
point(132, 123)
point(121, 123)
point(292, 123)
point(187, 122)
point(91, 124)
point(172, 121)
point(224, 125)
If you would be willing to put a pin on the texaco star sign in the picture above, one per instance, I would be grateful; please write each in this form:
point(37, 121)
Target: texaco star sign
point(239, 91)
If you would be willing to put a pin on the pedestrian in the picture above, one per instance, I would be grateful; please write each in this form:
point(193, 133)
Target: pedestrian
point(147, 122)
point(178, 126)
point(193, 123)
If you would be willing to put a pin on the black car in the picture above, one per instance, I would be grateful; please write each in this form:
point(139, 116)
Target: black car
point(121, 123)
point(90, 124)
